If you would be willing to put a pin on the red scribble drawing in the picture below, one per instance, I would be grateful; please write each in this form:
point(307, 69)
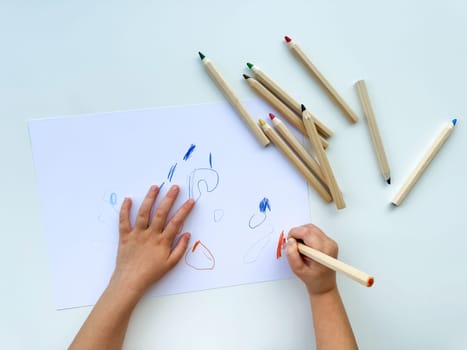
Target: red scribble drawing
point(199, 257)
point(280, 245)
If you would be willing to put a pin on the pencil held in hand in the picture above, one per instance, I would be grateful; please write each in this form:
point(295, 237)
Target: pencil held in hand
point(233, 99)
point(374, 130)
point(426, 160)
point(297, 51)
point(336, 265)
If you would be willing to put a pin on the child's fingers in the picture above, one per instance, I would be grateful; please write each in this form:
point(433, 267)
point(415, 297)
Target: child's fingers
point(177, 252)
point(293, 256)
point(175, 224)
point(162, 211)
point(142, 219)
point(125, 224)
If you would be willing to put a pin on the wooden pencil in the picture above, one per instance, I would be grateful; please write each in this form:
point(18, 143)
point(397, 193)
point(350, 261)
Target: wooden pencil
point(299, 149)
point(234, 100)
point(425, 161)
point(336, 265)
point(297, 51)
point(374, 130)
point(296, 162)
point(288, 100)
point(277, 104)
point(322, 159)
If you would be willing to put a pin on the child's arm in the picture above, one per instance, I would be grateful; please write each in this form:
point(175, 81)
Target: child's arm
point(144, 256)
point(332, 327)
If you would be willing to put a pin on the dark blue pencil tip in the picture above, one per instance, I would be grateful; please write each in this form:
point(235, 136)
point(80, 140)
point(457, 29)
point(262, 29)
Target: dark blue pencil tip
point(201, 55)
point(388, 181)
point(454, 121)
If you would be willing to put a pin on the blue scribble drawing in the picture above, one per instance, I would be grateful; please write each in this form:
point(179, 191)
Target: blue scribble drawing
point(202, 180)
point(210, 159)
point(257, 219)
point(109, 211)
point(171, 172)
point(189, 152)
point(264, 204)
point(113, 199)
point(256, 249)
point(218, 215)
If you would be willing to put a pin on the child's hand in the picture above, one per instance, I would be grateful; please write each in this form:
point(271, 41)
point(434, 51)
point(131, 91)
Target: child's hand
point(317, 278)
point(145, 252)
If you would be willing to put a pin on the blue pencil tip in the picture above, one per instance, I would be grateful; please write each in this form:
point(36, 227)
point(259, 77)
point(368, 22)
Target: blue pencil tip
point(454, 121)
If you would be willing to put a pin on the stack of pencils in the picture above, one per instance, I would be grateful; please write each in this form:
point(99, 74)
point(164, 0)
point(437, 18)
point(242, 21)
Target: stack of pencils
point(315, 168)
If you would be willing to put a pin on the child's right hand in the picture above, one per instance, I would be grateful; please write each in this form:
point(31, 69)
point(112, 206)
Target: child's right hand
point(317, 278)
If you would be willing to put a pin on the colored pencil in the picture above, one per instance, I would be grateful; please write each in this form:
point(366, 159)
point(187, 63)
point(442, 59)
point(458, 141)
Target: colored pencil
point(336, 265)
point(277, 104)
point(425, 161)
point(289, 137)
point(296, 162)
point(374, 130)
point(297, 51)
point(288, 100)
point(322, 159)
point(233, 99)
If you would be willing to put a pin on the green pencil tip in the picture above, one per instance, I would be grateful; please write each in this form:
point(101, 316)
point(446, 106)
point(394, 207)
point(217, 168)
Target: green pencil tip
point(250, 65)
point(201, 55)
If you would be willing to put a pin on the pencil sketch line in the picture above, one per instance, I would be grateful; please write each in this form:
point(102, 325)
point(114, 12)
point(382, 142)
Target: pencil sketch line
point(202, 179)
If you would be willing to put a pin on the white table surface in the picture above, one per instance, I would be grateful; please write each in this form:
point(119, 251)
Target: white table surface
point(65, 58)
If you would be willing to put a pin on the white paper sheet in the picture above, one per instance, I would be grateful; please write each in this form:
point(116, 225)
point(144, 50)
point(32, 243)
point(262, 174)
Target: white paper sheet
point(246, 194)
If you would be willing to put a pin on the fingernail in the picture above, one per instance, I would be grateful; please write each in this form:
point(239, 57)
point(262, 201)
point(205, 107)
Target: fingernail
point(174, 188)
point(291, 241)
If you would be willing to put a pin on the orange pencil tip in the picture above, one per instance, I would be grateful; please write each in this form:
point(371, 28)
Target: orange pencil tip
point(370, 282)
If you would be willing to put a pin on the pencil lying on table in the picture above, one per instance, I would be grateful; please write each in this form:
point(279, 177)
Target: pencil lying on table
point(426, 160)
point(296, 162)
point(293, 104)
point(322, 159)
point(336, 265)
point(297, 51)
point(289, 137)
point(374, 130)
point(233, 99)
point(277, 104)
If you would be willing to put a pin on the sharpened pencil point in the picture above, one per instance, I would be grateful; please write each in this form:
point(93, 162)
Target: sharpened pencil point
point(272, 116)
point(261, 122)
point(388, 181)
point(287, 39)
point(454, 121)
point(246, 76)
point(201, 55)
point(303, 108)
point(250, 65)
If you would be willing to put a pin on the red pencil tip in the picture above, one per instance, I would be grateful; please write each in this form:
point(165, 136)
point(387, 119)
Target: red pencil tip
point(287, 39)
point(272, 116)
point(370, 282)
